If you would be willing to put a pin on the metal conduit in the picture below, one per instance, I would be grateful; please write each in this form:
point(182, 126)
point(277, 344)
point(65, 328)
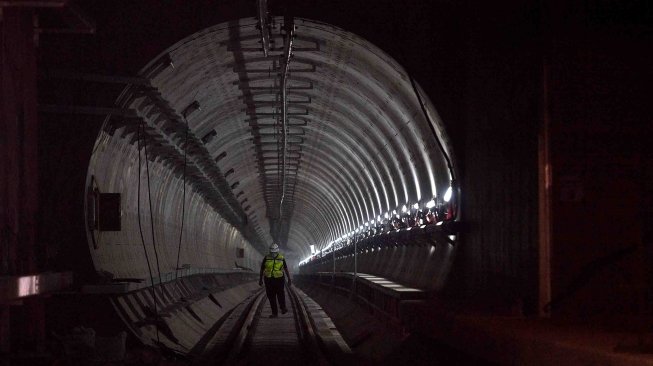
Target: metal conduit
point(262, 6)
point(288, 24)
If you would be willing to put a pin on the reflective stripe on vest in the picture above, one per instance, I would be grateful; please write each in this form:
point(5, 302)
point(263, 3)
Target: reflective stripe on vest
point(273, 266)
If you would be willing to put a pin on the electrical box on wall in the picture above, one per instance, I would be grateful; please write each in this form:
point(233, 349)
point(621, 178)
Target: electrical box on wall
point(109, 212)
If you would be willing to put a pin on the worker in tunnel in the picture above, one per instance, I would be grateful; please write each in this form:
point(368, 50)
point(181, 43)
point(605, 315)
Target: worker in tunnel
point(272, 268)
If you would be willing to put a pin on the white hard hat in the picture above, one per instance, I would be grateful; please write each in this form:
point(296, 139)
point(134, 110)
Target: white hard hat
point(274, 248)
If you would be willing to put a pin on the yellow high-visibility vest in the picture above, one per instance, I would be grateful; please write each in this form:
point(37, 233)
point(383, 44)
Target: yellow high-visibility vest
point(273, 266)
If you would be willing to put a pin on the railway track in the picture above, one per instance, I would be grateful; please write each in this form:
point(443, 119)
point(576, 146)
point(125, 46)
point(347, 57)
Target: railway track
point(302, 336)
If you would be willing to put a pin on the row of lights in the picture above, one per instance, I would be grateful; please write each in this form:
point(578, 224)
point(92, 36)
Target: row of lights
point(361, 229)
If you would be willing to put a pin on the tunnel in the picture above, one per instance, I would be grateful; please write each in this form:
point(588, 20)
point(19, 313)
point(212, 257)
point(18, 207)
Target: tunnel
point(362, 142)
point(452, 183)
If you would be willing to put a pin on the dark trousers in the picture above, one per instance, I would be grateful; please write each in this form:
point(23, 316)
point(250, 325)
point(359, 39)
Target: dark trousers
point(274, 290)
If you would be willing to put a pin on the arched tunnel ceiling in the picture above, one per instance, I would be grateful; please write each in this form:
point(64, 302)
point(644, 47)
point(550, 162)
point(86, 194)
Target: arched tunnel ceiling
point(359, 144)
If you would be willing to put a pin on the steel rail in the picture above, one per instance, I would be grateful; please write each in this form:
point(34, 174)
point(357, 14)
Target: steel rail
point(245, 332)
point(239, 334)
point(229, 332)
point(307, 334)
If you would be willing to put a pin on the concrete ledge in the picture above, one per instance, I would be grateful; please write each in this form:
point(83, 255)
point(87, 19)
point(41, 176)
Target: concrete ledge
point(382, 296)
point(326, 330)
point(185, 310)
point(382, 284)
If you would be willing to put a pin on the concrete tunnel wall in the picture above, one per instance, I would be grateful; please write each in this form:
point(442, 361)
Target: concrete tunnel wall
point(485, 68)
point(497, 256)
point(369, 149)
point(423, 264)
point(208, 242)
point(499, 76)
point(377, 125)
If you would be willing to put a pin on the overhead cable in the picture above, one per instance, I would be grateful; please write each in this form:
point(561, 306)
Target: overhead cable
point(140, 227)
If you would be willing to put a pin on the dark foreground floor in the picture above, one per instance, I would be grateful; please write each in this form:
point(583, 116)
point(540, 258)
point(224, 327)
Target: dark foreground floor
point(419, 350)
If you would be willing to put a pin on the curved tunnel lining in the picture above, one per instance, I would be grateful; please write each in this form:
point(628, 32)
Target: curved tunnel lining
point(366, 186)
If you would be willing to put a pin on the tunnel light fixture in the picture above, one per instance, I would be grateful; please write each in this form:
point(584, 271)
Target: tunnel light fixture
point(430, 204)
point(416, 206)
point(312, 249)
point(394, 212)
point(387, 216)
point(404, 208)
point(448, 194)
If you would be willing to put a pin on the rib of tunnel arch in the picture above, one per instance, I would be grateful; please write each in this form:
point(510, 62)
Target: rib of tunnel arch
point(323, 205)
point(424, 153)
point(361, 166)
point(355, 155)
point(354, 202)
point(333, 196)
point(344, 159)
point(336, 151)
point(376, 175)
point(363, 79)
point(203, 224)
